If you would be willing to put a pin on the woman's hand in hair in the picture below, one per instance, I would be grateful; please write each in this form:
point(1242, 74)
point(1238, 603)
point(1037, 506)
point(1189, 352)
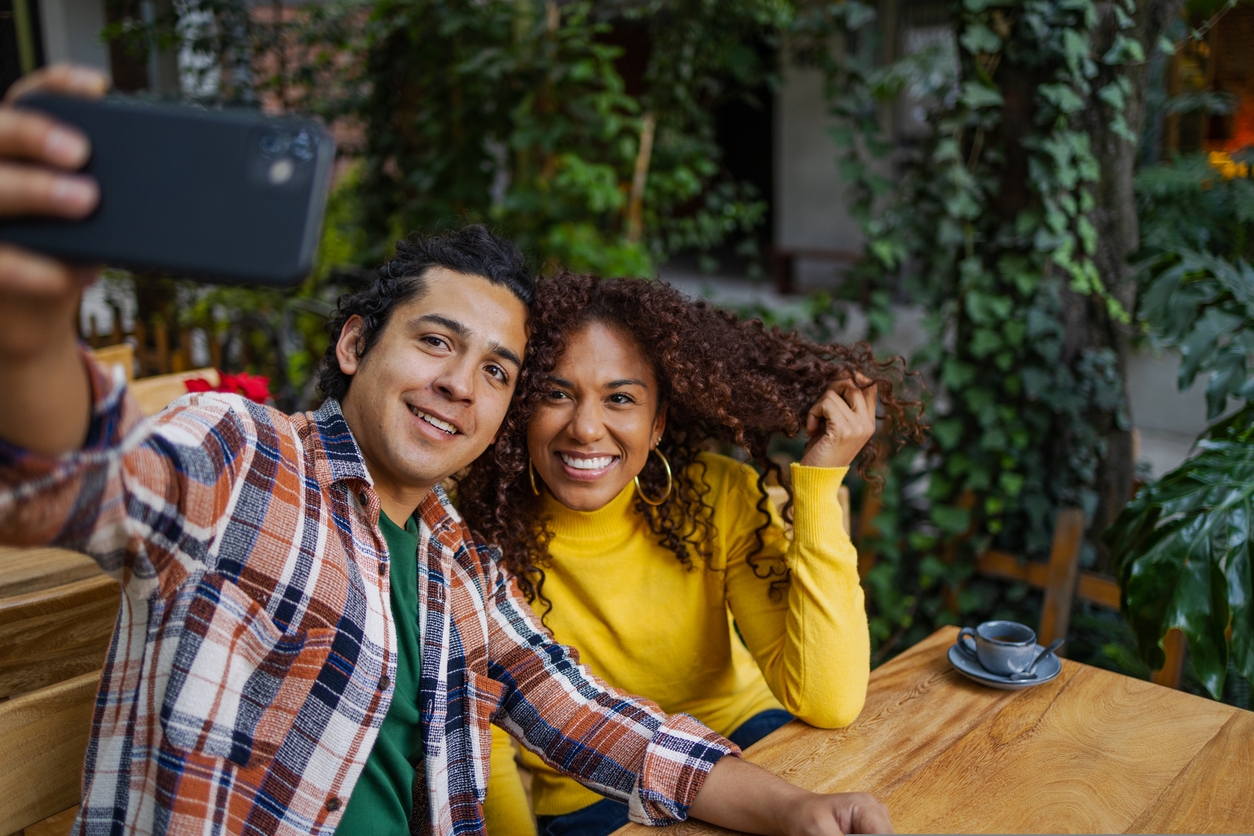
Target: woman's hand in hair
point(840, 423)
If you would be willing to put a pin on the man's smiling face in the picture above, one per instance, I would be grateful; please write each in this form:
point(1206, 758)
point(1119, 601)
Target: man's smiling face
point(429, 396)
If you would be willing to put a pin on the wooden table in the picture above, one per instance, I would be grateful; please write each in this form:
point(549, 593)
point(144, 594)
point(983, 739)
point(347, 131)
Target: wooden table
point(1090, 752)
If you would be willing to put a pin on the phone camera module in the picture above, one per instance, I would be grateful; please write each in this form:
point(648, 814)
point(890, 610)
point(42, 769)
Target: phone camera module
point(303, 146)
point(274, 143)
point(281, 171)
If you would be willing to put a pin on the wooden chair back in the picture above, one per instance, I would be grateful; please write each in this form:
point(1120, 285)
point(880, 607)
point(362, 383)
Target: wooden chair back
point(122, 354)
point(156, 393)
point(1061, 578)
point(43, 736)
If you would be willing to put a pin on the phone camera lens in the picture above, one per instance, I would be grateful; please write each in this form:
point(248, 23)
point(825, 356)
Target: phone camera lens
point(274, 143)
point(303, 146)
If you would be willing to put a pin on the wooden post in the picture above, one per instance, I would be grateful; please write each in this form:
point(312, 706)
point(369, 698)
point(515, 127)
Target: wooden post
point(1174, 645)
point(635, 206)
point(161, 333)
point(1064, 563)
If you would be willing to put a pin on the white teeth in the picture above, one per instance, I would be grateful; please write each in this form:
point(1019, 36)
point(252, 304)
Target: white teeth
point(588, 464)
point(435, 422)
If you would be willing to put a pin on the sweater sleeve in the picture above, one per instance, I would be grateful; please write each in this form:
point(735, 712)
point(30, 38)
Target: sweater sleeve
point(811, 638)
point(505, 809)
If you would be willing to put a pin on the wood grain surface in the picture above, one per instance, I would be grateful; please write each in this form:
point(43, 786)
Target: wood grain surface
point(43, 736)
point(1091, 751)
point(25, 570)
point(56, 634)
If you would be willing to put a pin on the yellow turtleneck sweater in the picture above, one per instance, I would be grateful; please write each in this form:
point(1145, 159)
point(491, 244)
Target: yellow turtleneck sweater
point(649, 625)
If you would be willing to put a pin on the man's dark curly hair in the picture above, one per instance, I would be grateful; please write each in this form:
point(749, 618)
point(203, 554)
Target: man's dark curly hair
point(725, 382)
point(472, 250)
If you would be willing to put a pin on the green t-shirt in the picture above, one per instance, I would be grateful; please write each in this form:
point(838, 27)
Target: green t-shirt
point(383, 798)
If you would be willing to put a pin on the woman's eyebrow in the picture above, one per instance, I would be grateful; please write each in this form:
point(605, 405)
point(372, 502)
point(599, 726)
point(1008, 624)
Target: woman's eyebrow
point(627, 381)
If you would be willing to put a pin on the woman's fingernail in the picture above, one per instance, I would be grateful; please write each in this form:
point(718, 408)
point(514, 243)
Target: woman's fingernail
point(75, 194)
point(66, 147)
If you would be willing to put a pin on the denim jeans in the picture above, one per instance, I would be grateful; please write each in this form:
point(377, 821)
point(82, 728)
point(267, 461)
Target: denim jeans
point(607, 815)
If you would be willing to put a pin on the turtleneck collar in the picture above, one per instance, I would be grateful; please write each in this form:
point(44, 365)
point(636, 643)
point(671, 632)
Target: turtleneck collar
point(610, 522)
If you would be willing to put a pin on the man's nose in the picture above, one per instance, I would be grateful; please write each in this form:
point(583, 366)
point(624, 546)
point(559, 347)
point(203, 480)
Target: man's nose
point(456, 380)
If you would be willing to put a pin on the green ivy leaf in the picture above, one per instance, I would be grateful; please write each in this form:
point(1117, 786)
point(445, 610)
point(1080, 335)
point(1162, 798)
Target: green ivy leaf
point(951, 519)
point(976, 96)
point(980, 39)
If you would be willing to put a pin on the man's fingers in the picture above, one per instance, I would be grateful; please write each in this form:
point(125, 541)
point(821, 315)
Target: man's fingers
point(32, 136)
point(27, 190)
point(63, 79)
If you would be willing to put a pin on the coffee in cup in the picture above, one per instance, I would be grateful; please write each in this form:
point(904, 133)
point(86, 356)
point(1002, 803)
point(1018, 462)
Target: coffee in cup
point(1001, 647)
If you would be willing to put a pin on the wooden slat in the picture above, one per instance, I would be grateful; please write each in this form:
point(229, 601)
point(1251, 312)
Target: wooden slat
point(1174, 647)
point(156, 393)
point(23, 570)
point(1060, 581)
point(122, 354)
point(43, 736)
point(55, 634)
point(1008, 567)
point(1100, 589)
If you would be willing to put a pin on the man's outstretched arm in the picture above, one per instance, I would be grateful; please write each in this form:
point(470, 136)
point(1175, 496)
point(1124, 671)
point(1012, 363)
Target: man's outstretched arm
point(740, 796)
point(47, 397)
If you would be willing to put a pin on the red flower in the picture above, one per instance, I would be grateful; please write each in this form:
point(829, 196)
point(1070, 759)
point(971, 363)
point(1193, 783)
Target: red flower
point(252, 386)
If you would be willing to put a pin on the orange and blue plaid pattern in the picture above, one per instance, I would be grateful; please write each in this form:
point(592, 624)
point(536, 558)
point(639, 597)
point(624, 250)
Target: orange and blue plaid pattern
point(252, 661)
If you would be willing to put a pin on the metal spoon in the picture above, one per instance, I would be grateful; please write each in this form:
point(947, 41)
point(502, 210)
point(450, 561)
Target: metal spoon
point(1030, 673)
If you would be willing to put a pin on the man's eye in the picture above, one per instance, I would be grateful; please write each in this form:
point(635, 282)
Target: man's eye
point(435, 342)
point(499, 373)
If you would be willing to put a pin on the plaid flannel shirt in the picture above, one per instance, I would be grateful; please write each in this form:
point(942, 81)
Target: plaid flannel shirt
point(251, 663)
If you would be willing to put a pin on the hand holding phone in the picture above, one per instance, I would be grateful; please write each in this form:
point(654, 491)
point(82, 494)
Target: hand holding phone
point(223, 195)
point(42, 381)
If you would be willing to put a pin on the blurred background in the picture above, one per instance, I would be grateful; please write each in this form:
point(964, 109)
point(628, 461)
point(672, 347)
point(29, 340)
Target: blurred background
point(1044, 205)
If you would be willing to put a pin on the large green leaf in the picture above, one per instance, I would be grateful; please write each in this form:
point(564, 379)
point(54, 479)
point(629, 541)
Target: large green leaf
point(1182, 552)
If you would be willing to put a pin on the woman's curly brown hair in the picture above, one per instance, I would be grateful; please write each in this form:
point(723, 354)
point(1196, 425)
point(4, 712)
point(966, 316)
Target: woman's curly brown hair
point(724, 381)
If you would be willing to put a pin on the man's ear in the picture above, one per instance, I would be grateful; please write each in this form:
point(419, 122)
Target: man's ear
point(349, 346)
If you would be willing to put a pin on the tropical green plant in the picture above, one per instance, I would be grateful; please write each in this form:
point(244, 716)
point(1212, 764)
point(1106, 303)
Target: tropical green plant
point(1182, 546)
point(1184, 550)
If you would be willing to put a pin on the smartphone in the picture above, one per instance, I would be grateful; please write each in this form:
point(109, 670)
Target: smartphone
point(217, 195)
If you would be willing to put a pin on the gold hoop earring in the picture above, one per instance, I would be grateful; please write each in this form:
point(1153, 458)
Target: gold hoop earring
point(531, 471)
point(670, 482)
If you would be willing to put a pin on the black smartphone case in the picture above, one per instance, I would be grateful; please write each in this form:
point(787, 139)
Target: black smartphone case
point(223, 195)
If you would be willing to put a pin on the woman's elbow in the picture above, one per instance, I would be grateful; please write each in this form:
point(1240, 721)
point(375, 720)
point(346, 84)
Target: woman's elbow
point(829, 714)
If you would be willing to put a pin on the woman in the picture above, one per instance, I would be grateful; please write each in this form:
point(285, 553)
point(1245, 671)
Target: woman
point(649, 553)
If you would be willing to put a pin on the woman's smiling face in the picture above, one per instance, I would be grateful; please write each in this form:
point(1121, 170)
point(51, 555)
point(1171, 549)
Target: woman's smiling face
point(592, 432)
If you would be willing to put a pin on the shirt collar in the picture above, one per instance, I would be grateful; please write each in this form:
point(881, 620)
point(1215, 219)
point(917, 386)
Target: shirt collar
point(342, 457)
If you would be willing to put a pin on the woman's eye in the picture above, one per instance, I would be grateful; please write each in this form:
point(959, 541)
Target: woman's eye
point(557, 395)
point(620, 398)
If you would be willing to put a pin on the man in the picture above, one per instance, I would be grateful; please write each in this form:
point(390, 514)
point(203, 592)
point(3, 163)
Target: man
point(310, 640)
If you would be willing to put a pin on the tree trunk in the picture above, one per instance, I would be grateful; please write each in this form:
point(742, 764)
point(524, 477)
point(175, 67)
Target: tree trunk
point(1089, 326)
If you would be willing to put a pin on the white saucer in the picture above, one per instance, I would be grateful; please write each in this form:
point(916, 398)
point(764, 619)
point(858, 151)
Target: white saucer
point(1047, 670)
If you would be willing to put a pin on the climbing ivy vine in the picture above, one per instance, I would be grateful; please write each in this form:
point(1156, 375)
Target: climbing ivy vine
point(988, 227)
